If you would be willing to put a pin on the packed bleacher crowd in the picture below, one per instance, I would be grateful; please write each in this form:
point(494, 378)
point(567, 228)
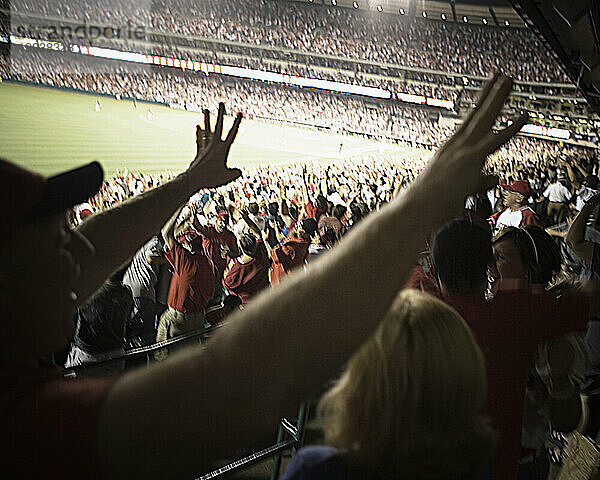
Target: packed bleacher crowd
point(448, 47)
point(255, 100)
point(184, 253)
point(344, 113)
point(449, 306)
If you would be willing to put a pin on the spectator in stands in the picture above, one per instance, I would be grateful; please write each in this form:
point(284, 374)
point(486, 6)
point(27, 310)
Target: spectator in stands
point(387, 415)
point(100, 330)
point(248, 274)
point(192, 285)
point(585, 242)
point(293, 251)
point(226, 395)
point(219, 242)
point(560, 359)
point(508, 328)
point(558, 197)
point(319, 207)
point(516, 213)
point(142, 277)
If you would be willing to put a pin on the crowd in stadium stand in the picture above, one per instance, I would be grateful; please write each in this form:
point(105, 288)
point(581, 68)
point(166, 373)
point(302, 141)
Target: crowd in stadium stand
point(227, 245)
point(464, 48)
point(343, 113)
point(304, 273)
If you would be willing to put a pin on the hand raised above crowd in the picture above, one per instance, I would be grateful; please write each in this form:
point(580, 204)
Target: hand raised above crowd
point(456, 169)
point(209, 167)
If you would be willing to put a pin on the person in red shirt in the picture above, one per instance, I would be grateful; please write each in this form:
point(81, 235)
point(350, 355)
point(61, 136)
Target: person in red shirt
point(248, 274)
point(516, 213)
point(310, 209)
point(293, 251)
point(219, 242)
point(508, 329)
point(192, 285)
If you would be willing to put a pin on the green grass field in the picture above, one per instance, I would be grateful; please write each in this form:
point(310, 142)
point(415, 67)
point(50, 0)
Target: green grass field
point(50, 130)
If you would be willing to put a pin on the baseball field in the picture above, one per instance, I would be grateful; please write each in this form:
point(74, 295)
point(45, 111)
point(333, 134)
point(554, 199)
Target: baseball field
point(50, 130)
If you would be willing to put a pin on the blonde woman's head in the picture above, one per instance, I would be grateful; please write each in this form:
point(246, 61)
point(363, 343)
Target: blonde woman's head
point(409, 399)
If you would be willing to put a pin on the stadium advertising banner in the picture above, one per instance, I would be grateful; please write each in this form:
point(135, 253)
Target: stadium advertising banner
point(239, 72)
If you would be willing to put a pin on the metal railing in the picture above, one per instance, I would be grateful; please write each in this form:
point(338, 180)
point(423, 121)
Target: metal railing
point(290, 435)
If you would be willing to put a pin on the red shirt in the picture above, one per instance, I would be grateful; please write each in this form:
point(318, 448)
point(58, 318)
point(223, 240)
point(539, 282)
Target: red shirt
point(312, 211)
point(49, 424)
point(290, 254)
point(247, 279)
point(212, 243)
point(508, 330)
point(193, 282)
point(419, 280)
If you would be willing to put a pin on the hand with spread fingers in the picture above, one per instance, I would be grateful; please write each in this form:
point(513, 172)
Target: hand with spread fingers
point(456, 168)
point(209, 168)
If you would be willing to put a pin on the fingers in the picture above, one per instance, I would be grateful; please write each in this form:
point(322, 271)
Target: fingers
point(207, 121)
point(219, 125)
point(482, 97)
point(493, 142)
point(234, 130)
point(489, 109)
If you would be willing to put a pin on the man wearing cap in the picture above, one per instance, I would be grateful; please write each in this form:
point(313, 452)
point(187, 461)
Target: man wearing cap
point(174, 419)
point(47, 270)
point(293, 251)
point(516, 213)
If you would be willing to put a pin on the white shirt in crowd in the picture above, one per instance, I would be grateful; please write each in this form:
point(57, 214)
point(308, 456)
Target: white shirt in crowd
point(556, 192)
point(583, 195)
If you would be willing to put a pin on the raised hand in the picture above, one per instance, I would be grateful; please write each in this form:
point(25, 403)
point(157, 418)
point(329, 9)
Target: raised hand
point(456, 168)
point(209, 168)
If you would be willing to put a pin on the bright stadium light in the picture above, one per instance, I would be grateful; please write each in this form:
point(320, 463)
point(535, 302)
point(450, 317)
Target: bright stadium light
point(379, 8)
point(401, 11)
point(484, 20)
point(355, 4)
point(465, 19)
point(424, 14)
point(507, 23)
point(444, 17)
point(334, 2)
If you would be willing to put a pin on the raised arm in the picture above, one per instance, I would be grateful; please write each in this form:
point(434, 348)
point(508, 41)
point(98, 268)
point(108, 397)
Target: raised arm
point(576, 235)
point(572, 177)
point(118, 232)
point(168, 230)
point(305, 196)
point(252, 225)
point(205, 403)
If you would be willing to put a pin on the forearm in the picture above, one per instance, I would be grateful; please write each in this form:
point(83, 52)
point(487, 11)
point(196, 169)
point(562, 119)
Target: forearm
point(118, 232)
point(575, 237)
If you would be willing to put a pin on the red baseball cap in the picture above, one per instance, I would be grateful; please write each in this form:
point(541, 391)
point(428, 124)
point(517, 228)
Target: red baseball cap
point(25, 195)
point(519, 186)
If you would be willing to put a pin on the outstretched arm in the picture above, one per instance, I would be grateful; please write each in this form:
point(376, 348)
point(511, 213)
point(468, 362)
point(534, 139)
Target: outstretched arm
point(576, 235)
point(203, 403)
point(118, 232)
point(168, 230)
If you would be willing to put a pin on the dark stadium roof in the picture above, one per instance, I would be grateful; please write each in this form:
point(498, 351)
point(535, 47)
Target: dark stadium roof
point(572, 30)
